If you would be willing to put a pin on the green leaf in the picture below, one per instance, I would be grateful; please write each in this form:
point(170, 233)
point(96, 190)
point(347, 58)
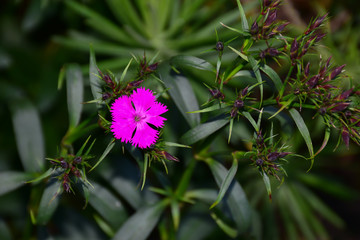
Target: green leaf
point(5, 233)
point(226, 183)
point(248, 116)
point(42, 176)
point(95, 81)
point(28, 134)
point(182, 93)
point(325, 141)
point(211, 108)
point(107, 205)
point(49, 201)
point(175, 213)
point(267, 183)
point(299, 121)
point(100, 23)
point(105, 153)
point(244, 22)
point(243, 56)
point(61, 77)
point(75, 93)
point(237, 201)
point(256, 70)
point(273, 76)
point(12, 180)
point(226, 228)
point(140, 225)
point(194, 62)
point(203, 130)
point(146, 162)
point(172, 144)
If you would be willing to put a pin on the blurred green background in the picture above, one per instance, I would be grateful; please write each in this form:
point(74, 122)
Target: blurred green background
point(37, 37)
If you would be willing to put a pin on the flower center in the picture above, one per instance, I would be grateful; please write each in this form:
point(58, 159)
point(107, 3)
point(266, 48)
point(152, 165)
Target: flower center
point(138, 117)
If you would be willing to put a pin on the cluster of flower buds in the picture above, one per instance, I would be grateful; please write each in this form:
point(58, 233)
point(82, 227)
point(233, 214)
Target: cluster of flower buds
point(266, 26)
point(70, 167)
point(266, 158)
point(145, 69)
point(239, 102)
point(161, 154)
point(300, 46)
point(114, 89)
point(216, 94)
point(319, 84)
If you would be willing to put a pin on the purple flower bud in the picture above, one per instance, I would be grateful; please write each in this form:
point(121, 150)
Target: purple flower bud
point(346, 94)
point(254, 28)
point(319, 37)
point(170, 157)
point(109, 81)
point(234, 112)
point(76, 172)
point(270, 19)
point(336, 71)
point(78, 160)
point(345, 136)
point(106, 96)
point(215, 93)
point(262, 54)
point(66, 187)
point(153, 67)
point(307, 70)
point(273, 52)
point(64, 164)
point(318, 21)
point(245, 91)
point(259, 162)
point(135, 83)
point(219, 46)
point(338, 107)
point(281, 27)
point(313, 81)
point(293, 50)
point(273, 156)
point(238, 103)
point(322, 111)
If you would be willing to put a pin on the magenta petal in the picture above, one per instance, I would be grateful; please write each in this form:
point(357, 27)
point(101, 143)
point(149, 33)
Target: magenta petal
point(153, 114)
point(123, 124)
point(144, 136)
point(143, 99)
point(123, 129)
point(122, 108)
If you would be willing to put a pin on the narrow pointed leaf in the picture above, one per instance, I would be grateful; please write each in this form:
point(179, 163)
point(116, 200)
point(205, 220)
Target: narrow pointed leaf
point(75, 92)
point(236, 200)
point(42, 176)
point(182, 94)
point(12, 180)
point(273, 76)
point(28, 135)
point(95, 81)
point(231, 232)
point(107, 205)
point(194, 62)
point(226, 183)
point(105, 153)
point(140, 225)
point(244, 22)
point(267, 184)
point(325, 141)
point(203, 130)
point(299, 121)
point(49, 202)
point(255, 67)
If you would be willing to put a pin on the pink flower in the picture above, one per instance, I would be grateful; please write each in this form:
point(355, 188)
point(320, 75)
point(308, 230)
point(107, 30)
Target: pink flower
point(132, 115)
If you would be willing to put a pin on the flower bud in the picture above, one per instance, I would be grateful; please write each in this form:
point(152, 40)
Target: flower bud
point(270, 18)
point(293, 50)
point(215, 93)
point(259, 162)
point(78, 160)
point(106, 96)
point(64, 164)
point(307, 70)
point(219, 46)
point(254, 28)
point(153, 67)
point(337, 71)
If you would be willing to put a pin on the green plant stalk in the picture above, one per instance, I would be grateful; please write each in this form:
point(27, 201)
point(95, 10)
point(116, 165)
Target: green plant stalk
point(285, 82)
point(185, 179)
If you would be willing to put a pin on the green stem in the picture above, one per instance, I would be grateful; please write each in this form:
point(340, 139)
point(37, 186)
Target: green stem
point(285, 82)
point(185, 179)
